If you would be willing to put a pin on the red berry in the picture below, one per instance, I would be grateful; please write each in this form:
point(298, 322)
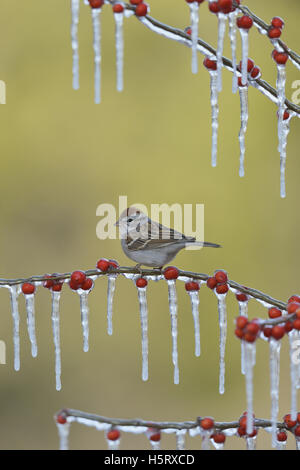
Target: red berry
point(241, 297)
point(252, 328)
point(103, 265)
point(73, 285)
point(281, 436)
point(222, 289)
point(292, 307)
point(225, 6)
point(240, 83)
point(214, 7)
point(219, 438)
point(239, 333)
point(211, 282)
point(113, 263)
point(267, 331)
point(244, 22)
point(280, 57)
point(118, 8)
point(171, 273)
point(113, 435)
point(249, 67)
point(57, 287)
point(298, 417)
point(192, 1)
point(288, 326)
point(207, 423)
point(49, 282)
point(241, 431)
point(298, 312)
point(278, 332)
point(78, 277)
point(188, 30)
point(221, 276)
point(155, 437)
point(191, 286)
point(253, 433)
point(249, 337)
point(297, 431)
point(241, 322)
point(294, 298)
point(288, 421)
point(274, 312)
point(255, 73)
point(136, 2)
point(61, 418)
point(210, 64)
point(274, 33)
point(28, 288)
point(277, 22)
point(141, 9)
point(286, 115)
point(141, 282)
point(87, 284)
point(96, 3)
point(296, 324)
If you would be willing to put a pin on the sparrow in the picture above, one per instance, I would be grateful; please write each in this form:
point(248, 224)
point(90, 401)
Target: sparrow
point(149, 243)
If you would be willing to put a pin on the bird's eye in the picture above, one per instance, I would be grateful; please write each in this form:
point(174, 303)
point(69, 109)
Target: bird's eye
point(129, 220)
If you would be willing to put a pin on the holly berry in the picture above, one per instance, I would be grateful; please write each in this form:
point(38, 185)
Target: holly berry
point(294, 298)
point(280, 57)
point(249, 66)
point(188, 30)
point(113, 435)
point(239, 333)
point(255, 73)
point(136, 2)
point(219, 438)
point(240, 83)
point(141, 282)
point(241, 431)
point(221, 276)
point(155, 437)
point(297, 431)
point(210, 64)
point(252, 328)
point(244, 22)
point(274, 312)
point(28, 288)
point(249, 337)
point(214, 7)
point(113, 263)
point(278, 332)
point(288, 421)
point(267, 331)
point(207, 423)
point(96, 3)
point(103, 265)
point(222, 289)
point(118, 8)
point(241, 297)
point(292, 307)
point(61, 418)
point(286, 115)
point(192, 286)
point(274, 33)
point(73, 285)
point(49, 282)
point(241, 322)
point(57, 287)
point(281, 436)
point(277, 22)
point(296, 324)
point(78, 277)
point(288, 326)
point(211, 282)
point(225, 6)
point(141, 9)
point(87, 284)
point(171, 273)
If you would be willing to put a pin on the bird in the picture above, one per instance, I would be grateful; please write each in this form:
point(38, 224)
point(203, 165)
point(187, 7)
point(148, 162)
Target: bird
point(149, 243)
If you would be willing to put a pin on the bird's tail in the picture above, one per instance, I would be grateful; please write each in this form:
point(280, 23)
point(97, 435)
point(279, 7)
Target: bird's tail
point(205, 244)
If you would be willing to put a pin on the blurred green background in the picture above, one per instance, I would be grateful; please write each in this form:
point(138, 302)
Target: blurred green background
point(62, 156)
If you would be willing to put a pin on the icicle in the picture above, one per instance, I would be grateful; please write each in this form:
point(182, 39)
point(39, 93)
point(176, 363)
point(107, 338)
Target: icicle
point(56, 336)
point(194, 15)
point(217, 445)
point(293, 335)
point(283, 128)
point(119, 19)
point(180, 439)
point(96, 18)
point(223, 333)
point(214, 95)
point(251, 443)
point(222, 18)
point(113, 445)
point(250, 351)
point(274, 382)
point(63, 433)
point(84, 312)
point(232, 36)
point(14, 293)
point(155, 445)
point(243, 90)
point(280, 445)
point(173, 313)
point(194, 296)
point(75, 5)
point(111, 286)
point(297, 443)
point(245, 54)
point(205, 444)
point(29, 299)
point(144, 325)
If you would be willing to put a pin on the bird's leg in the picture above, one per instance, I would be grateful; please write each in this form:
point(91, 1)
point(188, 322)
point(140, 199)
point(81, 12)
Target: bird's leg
point(138, 268)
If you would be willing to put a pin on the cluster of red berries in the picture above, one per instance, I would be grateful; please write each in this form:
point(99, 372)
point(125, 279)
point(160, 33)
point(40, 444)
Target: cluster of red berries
point(141, 8)
point(252, 69)
point(275, 28)
point(104, 264)
point(222, 6)
point(246, 330)
point(292, 425)
point(80, 281)
point(218, 282)
point(242, 429)
point(53, 284)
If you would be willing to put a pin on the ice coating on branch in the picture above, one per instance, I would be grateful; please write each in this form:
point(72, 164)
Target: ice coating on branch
point(275, 347)
point(250, 352)
point(56, 336)
point(293, 337)
point(144, 327)
point(194, 296)
point(111, 286)
point(75, 5)
point(96, 19)
point(113, 445)
point(84, 314)
point(173, 314)
point(180, 439)
point(232, 36)
point(251, 443)
point(243, 90)
point(119, 37)
point(14, 293)
point(245, 54)
point(194, 15)
point(214, 95)
point(63, 434)
point(29, 299)
point(222, 18)
point(222, 343)
point(283, 127)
